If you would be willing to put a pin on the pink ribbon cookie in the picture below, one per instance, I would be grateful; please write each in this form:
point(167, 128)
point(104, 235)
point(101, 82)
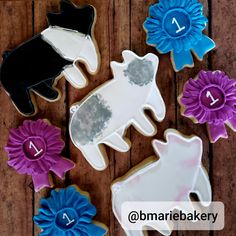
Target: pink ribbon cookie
point(35, 149)
point(211, 99)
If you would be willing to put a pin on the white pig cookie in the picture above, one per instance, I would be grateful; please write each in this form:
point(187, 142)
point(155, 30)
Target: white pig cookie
point(107, 112)
point(172, 178)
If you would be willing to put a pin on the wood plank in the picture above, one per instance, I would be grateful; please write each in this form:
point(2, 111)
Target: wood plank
point(15, 191)
point(184, 124)
point(119, 41)
point(224, 151)
point(95, 182)
point(141, 146)
point(55, 112)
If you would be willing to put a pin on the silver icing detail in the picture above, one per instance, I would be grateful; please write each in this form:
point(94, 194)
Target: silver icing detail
point(90, 120)
point(140, 72)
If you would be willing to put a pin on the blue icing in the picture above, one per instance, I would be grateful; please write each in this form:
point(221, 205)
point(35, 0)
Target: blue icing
point(176, 23)
point(176, 26)
point(67, 212)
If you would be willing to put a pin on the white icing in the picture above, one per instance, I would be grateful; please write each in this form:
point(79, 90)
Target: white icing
point(172, 178)
point(126, 102)
point(74, 47)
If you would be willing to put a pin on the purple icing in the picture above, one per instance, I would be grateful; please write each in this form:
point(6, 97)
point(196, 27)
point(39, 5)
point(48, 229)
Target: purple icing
point(211, 99)
point(35, 149)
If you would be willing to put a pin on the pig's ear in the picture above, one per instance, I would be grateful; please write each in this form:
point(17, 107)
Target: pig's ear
point(66, 5)
point(117, 69)
point(128, 56)
point(153, 58)
point(159, 147)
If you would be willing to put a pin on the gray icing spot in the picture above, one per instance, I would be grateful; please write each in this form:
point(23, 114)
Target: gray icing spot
point(90, 120)
point(140, 72)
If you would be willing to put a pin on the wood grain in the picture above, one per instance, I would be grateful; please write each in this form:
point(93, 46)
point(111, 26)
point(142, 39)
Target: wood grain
point(118, 27)
point(15, 192)
point(224, 151)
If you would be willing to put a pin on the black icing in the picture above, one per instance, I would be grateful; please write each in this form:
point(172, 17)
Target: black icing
point(33, 66)
point(74, 18)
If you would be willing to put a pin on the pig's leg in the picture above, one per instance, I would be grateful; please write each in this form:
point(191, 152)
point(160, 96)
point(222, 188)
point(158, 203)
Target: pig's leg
point(95, 155)
point(156, 104)
point(117, 142)
point(75, 76)
point(203, 188)
point(134, 233)
point(46, 91)
point(23, 102)
point(163, 227)
point(143, 124)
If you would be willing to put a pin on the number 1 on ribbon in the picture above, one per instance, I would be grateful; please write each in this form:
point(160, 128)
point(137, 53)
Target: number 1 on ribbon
point(174, 21)
point(214, 101)
point(31, 145)
point(65, 216)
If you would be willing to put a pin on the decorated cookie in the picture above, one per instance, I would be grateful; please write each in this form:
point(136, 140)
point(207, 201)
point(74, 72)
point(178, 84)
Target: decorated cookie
point(107, 112)
point(35, 149)
point(36, 65)
point(68, 212)
point(176, 26)
point(211, 99)
point(172, 178)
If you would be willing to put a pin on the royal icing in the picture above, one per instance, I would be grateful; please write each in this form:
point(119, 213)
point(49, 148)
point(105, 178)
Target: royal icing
point(211, 99)
point(35, 149)
point(176, 26)
point(172, 178)
point(68, 212)
point(35, 66)
point(107, 112)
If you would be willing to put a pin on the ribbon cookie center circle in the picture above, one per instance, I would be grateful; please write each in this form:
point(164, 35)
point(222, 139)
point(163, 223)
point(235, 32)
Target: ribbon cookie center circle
point(66, 219)
point(34, 148)
point(212, 98)
point(176, 23)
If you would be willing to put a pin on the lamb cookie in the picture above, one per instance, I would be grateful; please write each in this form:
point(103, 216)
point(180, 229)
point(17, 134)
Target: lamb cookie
point(177, 173)
point(176, 26)
point(107, 112)
point(35, 149)
point(36, 65)
point(211, 98)
point(68, 212)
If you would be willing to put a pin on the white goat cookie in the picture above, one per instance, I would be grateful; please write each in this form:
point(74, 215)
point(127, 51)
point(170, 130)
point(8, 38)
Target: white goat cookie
point(107, 112)
point(172, 178)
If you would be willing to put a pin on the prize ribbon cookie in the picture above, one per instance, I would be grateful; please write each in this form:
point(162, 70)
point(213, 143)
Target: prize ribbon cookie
point(171, 178)
point(176, 26)
point(35, 149)
point(68, 212)
point(211, 99)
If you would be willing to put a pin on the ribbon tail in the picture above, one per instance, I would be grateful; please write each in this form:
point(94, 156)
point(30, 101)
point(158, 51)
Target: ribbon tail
point(95, 228)
point(232, 123)
point(40, 181)
point(62, 166)
point(217, 131)
point(182, 59)
point(203, 47)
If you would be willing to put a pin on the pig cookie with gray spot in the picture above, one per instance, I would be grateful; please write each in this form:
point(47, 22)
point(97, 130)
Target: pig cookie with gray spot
point(36, 65)
point(177, 173)
point(104, 115)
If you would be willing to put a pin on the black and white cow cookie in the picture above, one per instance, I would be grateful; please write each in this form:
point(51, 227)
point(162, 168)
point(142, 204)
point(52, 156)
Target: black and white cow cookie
point(36, 65)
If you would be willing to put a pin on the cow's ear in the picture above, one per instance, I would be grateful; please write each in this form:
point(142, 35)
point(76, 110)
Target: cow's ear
point(67, 5)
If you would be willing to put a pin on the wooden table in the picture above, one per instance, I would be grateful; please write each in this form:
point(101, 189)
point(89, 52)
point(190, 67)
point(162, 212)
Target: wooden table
point(119, 27)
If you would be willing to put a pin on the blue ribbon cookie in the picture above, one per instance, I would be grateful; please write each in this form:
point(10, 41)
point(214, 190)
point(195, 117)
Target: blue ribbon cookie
point(177, 26)
point(68, 212)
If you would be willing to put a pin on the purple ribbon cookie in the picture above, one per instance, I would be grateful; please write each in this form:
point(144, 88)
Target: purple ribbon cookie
point(211, 99)
point(35, 149)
